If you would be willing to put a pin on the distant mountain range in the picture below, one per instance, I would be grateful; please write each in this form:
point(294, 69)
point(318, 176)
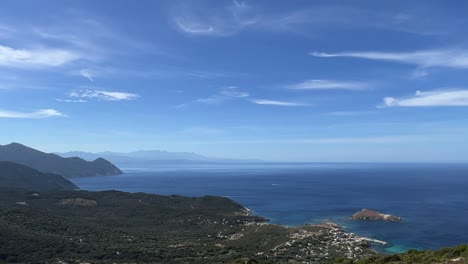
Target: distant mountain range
point(144, 157)
point(52, 163)
point(17, 176)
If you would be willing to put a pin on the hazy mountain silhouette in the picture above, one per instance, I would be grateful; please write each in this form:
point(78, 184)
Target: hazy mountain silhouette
point(151, 157)
point(52, 163)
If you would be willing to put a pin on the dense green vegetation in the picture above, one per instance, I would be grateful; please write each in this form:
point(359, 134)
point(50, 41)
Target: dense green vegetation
point(121, 227)
point(13, 175)
point(51, 163)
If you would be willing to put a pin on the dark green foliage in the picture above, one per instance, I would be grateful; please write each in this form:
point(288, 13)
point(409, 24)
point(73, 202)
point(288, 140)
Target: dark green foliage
point(121, 228)
point(14, 175)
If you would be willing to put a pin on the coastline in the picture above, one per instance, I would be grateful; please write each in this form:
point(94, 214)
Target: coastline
point(311, 195)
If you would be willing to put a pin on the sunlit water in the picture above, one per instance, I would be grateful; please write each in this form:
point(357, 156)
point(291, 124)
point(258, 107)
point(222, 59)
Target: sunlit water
point(431, 199)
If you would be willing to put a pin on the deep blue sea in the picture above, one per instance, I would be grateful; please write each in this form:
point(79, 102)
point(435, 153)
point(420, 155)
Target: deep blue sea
point(432, 199)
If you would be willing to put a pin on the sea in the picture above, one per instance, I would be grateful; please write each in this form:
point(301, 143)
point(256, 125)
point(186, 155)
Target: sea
point(432, 199)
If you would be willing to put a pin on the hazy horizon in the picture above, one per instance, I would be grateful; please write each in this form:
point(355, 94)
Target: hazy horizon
point(322, 81)
point(241, 159)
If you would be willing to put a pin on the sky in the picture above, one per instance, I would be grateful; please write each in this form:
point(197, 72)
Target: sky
point(351, 81)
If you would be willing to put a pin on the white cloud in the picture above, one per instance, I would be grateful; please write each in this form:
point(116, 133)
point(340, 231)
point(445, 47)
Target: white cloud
point(95, 37)
point(329, 85)
point(87, 74)
point(35, 58)
point(191, 27)
point(449, 58)
point(62, 42)
point(232, 92)
point(225, 22)
point(103, 95)
point(276, 103)
point(430, 98)
point(225, 94)
point(238, 16)
point(42, 113)
point(71, 101)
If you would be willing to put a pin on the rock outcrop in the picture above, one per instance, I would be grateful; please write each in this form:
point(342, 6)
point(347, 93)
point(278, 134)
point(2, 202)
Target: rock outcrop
point(366, 214)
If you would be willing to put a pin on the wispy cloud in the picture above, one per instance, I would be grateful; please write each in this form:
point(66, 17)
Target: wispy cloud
point(430, 98)
point(225, 22)
point(68, 41)
point(239, 16)
point(276, 103)
point(189, 26)
point(227, 93)
point(71, 101)
point(329, 85)
point(449, 58)
point(93, 36)
point(87, 74)
point(42, 113)
point(36, 58)
point(103, 95)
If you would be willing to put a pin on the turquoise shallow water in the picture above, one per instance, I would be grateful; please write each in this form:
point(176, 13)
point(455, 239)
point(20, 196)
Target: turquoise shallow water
point(432, 199)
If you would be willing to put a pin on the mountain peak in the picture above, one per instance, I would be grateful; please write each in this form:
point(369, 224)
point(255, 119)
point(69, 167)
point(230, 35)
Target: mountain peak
point(15, 145)
point(52, 163)
point(100, 160)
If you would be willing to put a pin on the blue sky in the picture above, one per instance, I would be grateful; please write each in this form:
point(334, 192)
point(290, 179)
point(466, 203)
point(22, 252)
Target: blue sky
point(274, 80)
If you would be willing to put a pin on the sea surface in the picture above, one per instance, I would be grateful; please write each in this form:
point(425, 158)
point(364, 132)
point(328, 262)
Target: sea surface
point(432, 199)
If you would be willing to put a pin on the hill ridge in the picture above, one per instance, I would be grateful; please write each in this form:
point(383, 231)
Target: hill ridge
point(53, 163)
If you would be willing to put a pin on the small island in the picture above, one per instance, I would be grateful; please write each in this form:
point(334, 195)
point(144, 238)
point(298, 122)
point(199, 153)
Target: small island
point(366, 214)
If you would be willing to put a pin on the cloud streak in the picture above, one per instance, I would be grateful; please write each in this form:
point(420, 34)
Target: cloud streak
point(275, 102)
point(71, 101)
point(329, 85)
point(42, 113)
point(87, 74)
point(103, 95)
point(238, 16)
point(448, 58)
point(430, 99)
point(35, 58)
point(232, 19)
point(227, 93)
